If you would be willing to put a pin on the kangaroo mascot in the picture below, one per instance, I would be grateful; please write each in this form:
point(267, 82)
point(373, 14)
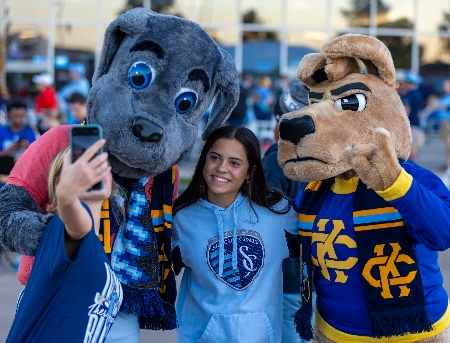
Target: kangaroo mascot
point(371, 224)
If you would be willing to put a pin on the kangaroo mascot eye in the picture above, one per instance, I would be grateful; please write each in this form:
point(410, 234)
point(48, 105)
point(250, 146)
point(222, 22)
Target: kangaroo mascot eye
point(354, 102)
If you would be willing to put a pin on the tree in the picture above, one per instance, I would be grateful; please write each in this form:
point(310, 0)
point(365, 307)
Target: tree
point(359, 14)
point(399, 46)
point(160, 6)
point(251, 17)
point(445, 27)
point(4, 93)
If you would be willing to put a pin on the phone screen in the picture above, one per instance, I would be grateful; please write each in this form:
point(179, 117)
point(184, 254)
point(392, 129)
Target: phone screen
point(81, 138)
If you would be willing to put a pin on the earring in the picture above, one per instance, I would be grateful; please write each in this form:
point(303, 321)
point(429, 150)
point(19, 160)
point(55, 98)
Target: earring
point(248, 180)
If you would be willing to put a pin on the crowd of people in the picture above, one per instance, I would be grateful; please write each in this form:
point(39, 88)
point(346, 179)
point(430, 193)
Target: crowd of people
point(428, 110)
point(22, 123)
point(257, 99)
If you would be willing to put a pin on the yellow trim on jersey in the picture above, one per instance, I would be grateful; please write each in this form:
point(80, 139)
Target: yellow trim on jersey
point(339, 336)
point(381, 210)
point(341, 186)
point(399, 188)
point(379, 226)
point(313, 186)
point(308, 218)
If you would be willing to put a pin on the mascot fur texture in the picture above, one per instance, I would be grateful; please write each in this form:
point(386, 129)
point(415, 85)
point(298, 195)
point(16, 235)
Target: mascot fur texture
point(370, 223)
point(156, 77)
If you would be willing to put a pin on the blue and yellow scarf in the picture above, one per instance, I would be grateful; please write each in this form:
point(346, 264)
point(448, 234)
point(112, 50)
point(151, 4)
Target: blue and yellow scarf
point(378, 226)
point(139, 247)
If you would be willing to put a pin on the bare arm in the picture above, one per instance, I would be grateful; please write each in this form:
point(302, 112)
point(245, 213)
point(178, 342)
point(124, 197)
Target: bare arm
point(75, 180)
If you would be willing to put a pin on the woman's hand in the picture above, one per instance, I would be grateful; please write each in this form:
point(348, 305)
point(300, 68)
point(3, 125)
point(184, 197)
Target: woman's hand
point(78, 177)
point(75, 180)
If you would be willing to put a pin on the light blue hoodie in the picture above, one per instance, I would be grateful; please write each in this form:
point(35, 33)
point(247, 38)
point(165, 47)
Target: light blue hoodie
point(231, 289)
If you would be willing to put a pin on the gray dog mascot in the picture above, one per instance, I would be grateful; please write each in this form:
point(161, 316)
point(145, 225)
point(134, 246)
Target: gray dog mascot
point(156, 77)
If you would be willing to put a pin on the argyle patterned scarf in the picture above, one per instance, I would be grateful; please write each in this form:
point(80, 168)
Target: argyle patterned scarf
point(141, 248)
point(380, 236)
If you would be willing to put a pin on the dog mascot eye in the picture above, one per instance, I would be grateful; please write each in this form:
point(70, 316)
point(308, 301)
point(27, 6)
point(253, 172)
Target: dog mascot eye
point(140, 75)
point(185, 101)
point(354, 102)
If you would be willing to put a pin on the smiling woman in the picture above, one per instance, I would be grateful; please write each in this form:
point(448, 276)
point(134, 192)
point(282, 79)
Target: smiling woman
point(226, 169)
point(229, 213)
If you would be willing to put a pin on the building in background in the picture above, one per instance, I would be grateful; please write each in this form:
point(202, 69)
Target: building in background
point(267, 37)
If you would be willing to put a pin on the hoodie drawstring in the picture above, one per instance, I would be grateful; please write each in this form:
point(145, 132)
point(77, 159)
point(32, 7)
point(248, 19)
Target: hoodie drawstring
point(235, 214)
point(222, 239)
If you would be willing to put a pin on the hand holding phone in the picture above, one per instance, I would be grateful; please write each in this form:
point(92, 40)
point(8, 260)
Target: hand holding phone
point(81, 138)
point(72, 188)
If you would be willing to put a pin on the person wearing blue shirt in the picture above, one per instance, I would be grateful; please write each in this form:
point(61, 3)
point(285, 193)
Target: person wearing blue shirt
point(73, 294)
point(16, 136)
point(230, 235)
point(413, 102)
point(78, 84)
point(293, 99)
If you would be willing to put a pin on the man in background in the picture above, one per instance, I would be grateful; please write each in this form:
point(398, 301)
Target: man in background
point(78, 84)
point(290, 100)
point(238, 114)
point(413, 100)
point(46, 99)
point(15, 136)
point(77, 105)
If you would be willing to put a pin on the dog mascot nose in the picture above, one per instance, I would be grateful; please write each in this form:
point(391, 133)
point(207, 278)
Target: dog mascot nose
point(293, 130)
point(146, 130)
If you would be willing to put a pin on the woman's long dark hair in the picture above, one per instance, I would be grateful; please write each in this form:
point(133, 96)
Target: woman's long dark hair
point(256, 190)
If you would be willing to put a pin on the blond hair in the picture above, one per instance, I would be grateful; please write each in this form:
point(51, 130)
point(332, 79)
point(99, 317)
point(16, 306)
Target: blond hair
point(53, 176)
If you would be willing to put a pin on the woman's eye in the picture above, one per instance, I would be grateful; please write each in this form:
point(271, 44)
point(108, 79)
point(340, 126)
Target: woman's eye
point(185, 101)
point(235, 164)
point(140, 75)
point(354, 102)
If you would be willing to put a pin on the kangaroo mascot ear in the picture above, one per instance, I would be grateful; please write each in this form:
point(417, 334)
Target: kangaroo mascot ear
point(338, 59)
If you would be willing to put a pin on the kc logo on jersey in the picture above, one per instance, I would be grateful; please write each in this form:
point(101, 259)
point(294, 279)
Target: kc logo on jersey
point(326, 254)
point(388, 272)
point(250, 258)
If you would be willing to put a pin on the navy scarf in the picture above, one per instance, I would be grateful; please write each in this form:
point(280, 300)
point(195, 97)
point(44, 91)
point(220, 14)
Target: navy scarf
point(391, 278)
point(141, 256)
